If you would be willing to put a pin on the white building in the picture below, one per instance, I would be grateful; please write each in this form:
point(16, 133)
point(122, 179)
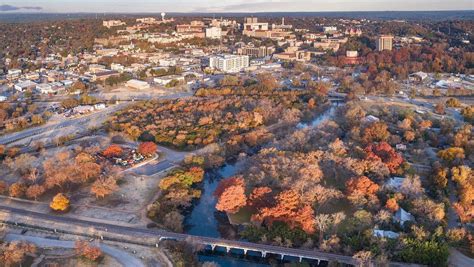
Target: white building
point(329, 29)
point(386, 234)
point(112, 23)
point(137, 84)
point(13, 74)
point(229, 63)
point(165, 80)
point(25, 85)
point(214, 32)
point(45, 88)
point(3, 98)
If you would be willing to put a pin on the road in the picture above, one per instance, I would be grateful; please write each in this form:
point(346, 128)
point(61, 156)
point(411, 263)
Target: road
point(121, 256)
point(134, 233)
point(83, 120)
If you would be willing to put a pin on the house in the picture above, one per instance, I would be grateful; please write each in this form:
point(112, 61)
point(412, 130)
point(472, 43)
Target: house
point(137, 84)
point(370, 119)
point(418, 77)
point(99, 106)
point(402, 216)
point(385, 234)
point(401, 147)
point(3, 98)
point(394, 183)
point(25, 85)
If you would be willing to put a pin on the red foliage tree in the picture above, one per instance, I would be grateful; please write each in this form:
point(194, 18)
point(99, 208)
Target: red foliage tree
point(385, 153)
point(147, 149)
point(261, 197)
point(113, 151)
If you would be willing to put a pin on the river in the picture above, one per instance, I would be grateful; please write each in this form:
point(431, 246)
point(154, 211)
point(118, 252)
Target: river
point(205, 220)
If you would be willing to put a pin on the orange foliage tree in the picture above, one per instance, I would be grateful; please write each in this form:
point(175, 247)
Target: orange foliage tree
point(104, 187)
point(385, 153)
point(87, 251)
point(34, 191)
point(392, 205)
point(376, 132)
point(230, 195)
point(362, 185)
point(147, 149)
point(113, 151)
point(17, 189)
point(290, 210)
point(224, 184)
point(59, 203)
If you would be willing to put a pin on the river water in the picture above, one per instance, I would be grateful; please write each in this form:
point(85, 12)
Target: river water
point(204, 219)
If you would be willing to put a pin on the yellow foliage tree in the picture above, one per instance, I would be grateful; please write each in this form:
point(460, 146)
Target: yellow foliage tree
point(60, 202)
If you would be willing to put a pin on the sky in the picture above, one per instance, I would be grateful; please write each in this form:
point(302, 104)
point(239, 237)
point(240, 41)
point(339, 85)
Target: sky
point(71, 6)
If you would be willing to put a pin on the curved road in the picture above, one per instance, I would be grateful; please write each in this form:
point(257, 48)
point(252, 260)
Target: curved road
point(121, 256)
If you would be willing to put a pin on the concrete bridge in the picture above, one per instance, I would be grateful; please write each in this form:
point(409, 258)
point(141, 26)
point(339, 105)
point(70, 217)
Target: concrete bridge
point(149, 237)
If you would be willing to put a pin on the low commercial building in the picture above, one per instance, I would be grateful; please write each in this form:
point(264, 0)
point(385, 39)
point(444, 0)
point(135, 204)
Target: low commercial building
point(44, 88)
point(165, 80)
point(112, 23)
point(25, 85)
point(229, 63)
point(137, 84)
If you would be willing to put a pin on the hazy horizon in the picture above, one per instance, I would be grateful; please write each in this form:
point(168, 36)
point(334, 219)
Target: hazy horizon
point(232, 6)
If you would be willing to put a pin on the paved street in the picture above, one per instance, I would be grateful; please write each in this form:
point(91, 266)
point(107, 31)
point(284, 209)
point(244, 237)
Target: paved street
point(121, 256)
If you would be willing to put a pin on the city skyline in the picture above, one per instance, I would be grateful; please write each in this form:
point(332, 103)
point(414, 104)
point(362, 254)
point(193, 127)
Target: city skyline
point(187, 6)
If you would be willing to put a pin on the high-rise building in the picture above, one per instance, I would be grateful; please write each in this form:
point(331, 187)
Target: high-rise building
point(384, 42)
point(229, 63)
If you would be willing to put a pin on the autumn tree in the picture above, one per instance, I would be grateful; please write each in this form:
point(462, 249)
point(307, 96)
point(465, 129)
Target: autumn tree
point(17, 190)
point(392, 204)
point(87, 251)
point(104, 187)
point(35, 191)
point(261, 197)
point(376, 132)
point(290, 210)
point(113, 151)
point(232, 199)
point(361, 190)
point(60, 202)
point(385, 153)
point(147, 149)
point(14, 253)
point(453, 103)
point(452, 155)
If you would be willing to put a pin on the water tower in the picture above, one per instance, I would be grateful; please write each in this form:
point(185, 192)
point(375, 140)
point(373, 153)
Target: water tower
point(163, 14)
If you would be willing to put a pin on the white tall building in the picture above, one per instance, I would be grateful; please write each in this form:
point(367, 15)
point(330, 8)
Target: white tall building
point(214, 32)
point(229, 63)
